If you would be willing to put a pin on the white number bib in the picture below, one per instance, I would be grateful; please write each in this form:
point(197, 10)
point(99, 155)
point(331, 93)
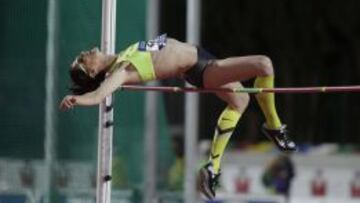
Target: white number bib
point(153, 45)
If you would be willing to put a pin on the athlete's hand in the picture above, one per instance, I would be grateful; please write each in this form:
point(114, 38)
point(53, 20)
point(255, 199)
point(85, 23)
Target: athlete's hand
point(67, 103)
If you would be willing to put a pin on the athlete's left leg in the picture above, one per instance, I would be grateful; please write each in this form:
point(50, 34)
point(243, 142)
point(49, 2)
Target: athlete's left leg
point(226, 124)
point(236, 105)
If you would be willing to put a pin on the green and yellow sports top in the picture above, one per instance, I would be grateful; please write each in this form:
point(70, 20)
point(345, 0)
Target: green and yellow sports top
point(139, 56)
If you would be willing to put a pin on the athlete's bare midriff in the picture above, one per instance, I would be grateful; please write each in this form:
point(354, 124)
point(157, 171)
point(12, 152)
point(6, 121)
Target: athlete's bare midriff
point(174, 59)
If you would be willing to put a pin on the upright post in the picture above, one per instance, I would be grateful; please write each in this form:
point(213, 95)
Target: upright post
point(151, 114)
point(50, 87)
point(105, 136)
point(191, 108)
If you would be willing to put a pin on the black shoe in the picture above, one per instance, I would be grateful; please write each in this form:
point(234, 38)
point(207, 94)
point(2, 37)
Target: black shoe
point(207, 181)
point(280, 138)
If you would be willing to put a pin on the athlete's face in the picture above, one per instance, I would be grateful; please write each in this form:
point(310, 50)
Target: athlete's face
point(91, 61)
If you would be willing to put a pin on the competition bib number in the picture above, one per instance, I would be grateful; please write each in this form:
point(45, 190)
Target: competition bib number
point(154, 44)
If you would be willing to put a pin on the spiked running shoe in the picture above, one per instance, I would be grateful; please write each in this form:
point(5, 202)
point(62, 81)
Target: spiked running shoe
point(207, 181)
point(280, 138)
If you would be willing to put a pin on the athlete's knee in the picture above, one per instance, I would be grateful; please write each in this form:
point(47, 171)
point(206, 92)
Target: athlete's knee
point(241, 103)
point(264, 65)
point(244, 100)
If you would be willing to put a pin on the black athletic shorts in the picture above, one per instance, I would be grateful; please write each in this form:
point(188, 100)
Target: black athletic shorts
point(195, 74)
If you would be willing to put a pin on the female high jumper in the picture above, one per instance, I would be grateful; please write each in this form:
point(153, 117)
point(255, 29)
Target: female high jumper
point(96, 75)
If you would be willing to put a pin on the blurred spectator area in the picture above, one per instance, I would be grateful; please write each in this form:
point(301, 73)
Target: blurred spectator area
point(23, 181)
point(337, 174)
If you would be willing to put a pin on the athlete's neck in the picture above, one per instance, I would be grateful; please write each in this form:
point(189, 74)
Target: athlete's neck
point(109, 60)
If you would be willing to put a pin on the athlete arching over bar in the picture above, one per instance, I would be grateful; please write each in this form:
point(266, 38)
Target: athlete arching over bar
point(96, 75)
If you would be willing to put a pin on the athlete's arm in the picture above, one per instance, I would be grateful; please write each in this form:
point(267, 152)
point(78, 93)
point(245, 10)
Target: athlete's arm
point(110, 84)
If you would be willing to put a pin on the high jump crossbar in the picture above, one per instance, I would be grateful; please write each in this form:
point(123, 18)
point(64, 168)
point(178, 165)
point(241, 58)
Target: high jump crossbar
point(283, 90)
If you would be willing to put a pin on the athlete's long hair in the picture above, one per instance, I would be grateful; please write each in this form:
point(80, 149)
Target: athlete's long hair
point(83, 83)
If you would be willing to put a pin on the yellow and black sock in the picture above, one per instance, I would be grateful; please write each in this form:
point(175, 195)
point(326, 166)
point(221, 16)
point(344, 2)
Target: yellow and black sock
point(225, 128)
point(267, 102)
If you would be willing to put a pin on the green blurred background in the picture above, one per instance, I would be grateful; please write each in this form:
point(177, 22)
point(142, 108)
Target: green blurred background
point(22, 89)
point(311, 43)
